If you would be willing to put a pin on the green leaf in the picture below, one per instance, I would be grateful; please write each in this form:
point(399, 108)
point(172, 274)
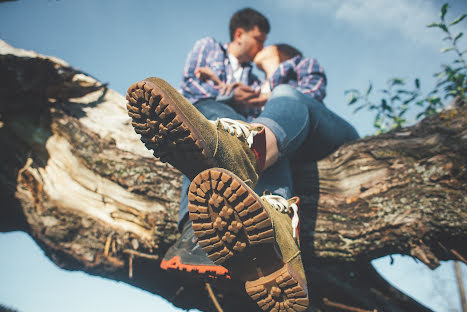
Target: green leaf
point(370, 87)
point(434, 25)
point(458, 20)
point(358, 108)
point(417, 83)
point(457, 37)
point(353, 99)
point(351, 91)
point(443, 50)
point(444, 9)
point(403, 109)
point(409, 100)
point(385, 106)
point(440, 75)
point(439, 25)
point(395, 98)
point(377, 123)
point(396, 81)
point(403, 91)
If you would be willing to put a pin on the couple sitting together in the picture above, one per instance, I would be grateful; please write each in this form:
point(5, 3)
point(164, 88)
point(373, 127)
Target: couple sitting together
point(232, 137)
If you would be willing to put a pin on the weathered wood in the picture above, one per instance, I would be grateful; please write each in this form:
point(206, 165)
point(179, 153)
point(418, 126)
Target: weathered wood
point(76, 177)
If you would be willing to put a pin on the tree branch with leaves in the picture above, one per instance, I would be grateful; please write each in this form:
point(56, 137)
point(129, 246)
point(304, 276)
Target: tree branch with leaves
point(398, 98)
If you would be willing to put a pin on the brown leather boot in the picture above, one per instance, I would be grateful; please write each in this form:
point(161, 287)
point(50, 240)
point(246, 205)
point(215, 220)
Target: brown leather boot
point(254, 237)
point(180, 135)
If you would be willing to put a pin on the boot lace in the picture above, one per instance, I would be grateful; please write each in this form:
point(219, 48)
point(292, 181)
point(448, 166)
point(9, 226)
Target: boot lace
point(237, 128)
point(282, 205)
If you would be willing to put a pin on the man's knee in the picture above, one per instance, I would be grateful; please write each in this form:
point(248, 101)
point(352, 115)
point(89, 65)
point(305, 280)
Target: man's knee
point(285, 90)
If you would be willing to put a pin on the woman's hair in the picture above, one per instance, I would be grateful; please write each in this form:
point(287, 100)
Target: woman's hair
point(286, 52)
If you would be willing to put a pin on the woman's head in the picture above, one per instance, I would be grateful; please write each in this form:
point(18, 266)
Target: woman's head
point(286, 51)
point(271, 56)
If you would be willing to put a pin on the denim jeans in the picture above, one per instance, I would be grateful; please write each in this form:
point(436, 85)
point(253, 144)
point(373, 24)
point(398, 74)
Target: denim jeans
point(304, 125)
point(301, 124)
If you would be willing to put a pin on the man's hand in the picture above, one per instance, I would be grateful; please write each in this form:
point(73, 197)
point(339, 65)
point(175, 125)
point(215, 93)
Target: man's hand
point(242, 93)
point(206, 73)
point(227, 88)
point(258, 101)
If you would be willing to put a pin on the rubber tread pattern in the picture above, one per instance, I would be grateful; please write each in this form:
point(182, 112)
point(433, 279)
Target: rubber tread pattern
point(228, 220)
point(226, 217)
point(279, 292)
point(154, 117)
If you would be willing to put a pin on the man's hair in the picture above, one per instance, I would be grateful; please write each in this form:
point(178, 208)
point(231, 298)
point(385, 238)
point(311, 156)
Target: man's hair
point(247, 19)
point(286, 52)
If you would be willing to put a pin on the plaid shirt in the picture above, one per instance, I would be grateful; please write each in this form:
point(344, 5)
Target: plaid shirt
point(208, 52)
point(303, 73)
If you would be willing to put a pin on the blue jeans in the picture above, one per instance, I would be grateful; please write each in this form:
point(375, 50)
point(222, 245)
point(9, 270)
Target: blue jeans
point(301, 124)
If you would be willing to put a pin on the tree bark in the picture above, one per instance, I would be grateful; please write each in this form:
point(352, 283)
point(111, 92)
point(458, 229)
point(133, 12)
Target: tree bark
point(76, 178)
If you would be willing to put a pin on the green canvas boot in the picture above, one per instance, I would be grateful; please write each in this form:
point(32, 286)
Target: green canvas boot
point(254, 237)
point(180, 135)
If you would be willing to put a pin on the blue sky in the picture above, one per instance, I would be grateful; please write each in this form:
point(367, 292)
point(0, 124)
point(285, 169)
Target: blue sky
point(120, 42)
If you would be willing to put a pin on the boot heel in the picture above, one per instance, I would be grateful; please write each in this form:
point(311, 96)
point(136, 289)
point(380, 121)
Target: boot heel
point(278, 291)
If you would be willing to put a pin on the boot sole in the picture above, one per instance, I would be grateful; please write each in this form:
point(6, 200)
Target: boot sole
point(165, 129)
point(235, 230)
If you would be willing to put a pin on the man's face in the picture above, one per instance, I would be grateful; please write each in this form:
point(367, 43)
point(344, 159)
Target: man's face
point(250, 43)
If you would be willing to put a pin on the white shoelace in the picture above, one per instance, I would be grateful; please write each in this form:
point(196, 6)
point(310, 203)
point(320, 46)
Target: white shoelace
point(281, 204)
point(237, 128)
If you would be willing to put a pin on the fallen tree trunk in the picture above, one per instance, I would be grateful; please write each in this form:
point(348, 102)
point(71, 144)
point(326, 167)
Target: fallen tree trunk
point(76, 178)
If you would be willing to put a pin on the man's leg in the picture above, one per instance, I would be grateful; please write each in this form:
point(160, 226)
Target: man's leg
point(328, 132)
point(180, 135)
point(255, 237)
point(286, 115)
point(276, 179)
point(300, 122)
point(212, 110)
point(186, 254)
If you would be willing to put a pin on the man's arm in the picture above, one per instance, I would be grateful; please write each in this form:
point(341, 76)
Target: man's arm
point(193, 87)
point(206, 73)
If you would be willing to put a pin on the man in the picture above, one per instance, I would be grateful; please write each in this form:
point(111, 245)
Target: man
point(231, 63)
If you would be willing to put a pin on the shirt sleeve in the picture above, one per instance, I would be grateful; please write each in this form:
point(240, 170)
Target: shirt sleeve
point(304, 74)
point(311, 78)
point(198, 57)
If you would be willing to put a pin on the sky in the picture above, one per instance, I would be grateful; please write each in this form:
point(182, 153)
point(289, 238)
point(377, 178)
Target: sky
point(122, 41)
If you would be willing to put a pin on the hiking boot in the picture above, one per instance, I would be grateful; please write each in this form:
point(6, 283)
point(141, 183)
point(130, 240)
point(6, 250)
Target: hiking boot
point(186, 255)
point(180, 135)
point(254, 237)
